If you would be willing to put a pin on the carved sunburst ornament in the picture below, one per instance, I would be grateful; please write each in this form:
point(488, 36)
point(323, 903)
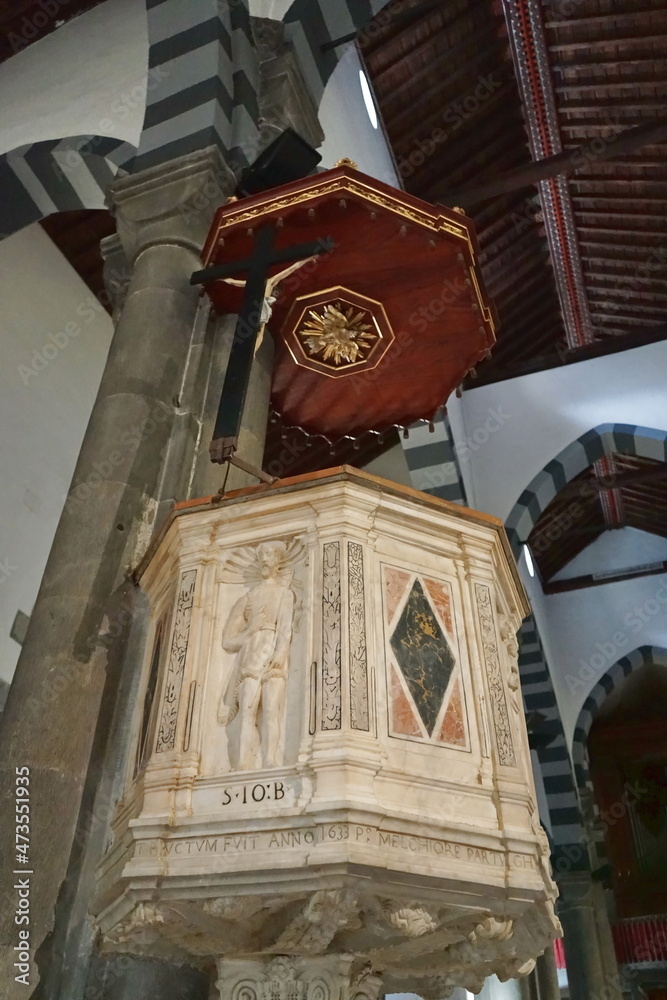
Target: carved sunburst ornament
point(338, 333)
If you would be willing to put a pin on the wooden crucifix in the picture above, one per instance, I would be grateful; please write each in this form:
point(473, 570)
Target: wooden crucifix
point(251, 320)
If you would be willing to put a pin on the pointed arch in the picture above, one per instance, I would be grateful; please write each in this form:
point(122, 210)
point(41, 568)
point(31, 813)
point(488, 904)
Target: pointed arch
point(609, 681)
point(645, 442)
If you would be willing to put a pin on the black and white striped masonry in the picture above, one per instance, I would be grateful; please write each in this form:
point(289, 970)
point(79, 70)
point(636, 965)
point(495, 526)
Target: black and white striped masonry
point(568, 846)
point(627, 439)
point(432, 461)
point(311, 25)
point(203, 82)
point(201, 89)
point(57, 175)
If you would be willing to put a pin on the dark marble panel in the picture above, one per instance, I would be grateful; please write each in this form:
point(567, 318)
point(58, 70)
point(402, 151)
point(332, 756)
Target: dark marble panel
point(423, 654)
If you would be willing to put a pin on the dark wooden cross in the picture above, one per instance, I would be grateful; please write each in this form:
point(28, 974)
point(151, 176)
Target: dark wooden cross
point(237, 377)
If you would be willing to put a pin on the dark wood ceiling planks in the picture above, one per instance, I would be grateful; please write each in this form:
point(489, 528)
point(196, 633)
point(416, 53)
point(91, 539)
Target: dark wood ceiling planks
point(609, 73)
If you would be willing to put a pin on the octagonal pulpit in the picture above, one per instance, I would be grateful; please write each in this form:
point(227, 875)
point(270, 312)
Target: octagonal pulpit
point(329, 790)
point(379, 330)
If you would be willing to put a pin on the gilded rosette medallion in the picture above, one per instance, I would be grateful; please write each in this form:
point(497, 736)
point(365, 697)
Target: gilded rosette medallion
point(337, 332)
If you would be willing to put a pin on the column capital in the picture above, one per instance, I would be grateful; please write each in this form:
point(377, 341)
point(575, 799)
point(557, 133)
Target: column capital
point(326, 977)
point(172, 202)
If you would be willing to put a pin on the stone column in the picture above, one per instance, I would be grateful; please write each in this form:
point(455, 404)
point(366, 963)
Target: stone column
point(129, 977)
point(585, 933)
point(122, 480)
point(546, 976)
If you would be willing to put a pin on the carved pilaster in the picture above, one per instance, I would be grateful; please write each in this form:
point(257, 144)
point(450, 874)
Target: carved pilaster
point(166, 739)
point(331, 637)
point(504, 742)
point(357, 625)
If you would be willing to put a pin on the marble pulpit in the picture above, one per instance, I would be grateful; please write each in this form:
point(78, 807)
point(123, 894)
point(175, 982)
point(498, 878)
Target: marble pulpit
point(329, 792)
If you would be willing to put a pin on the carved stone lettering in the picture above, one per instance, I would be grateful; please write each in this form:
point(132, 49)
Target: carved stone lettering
point(358, 652)
point(331, 635)
point(166, 738)
point(504, 743)
point(330, 833)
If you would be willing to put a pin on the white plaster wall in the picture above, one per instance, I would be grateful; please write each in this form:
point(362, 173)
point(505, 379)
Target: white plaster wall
point(347, 127)
point(585, 632)
point(54, 338)
point(616, 550)
point(89, 76)
point(540, 414)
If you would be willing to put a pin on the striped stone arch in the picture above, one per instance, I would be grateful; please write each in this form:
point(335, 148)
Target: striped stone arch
point(609, 681)
point(629, 439)
point(57, 175)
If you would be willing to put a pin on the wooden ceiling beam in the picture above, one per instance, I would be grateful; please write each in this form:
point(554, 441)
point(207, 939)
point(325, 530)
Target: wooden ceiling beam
point(621, 198)
point(593, 44)
point(563, 163)
point(612, 259)
point(583, 582)
point(605, 213)
point(591, 19)
point(623, 108)
point(574, 66)
point(586, 86)
point(636, 320)
point(655, 297)
point(643, 233)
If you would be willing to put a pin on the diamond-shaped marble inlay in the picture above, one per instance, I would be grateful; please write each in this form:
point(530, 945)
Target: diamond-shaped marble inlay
point(423, 654)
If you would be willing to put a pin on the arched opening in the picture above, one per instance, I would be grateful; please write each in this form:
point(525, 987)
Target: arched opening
point(627, 769)
point(627, 749)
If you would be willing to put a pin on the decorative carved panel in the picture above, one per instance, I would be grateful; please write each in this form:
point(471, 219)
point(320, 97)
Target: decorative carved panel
point(166, 738)
point(358, 652)
point(331, 637)
point(504, 742)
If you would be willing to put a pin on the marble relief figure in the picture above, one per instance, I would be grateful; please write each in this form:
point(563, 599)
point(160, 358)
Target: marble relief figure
point(259, 630)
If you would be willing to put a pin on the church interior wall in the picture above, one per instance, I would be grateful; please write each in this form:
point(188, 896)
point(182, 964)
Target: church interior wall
point(88, 77)
point(55, 337)
point(523, 423)
point(348, 128)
